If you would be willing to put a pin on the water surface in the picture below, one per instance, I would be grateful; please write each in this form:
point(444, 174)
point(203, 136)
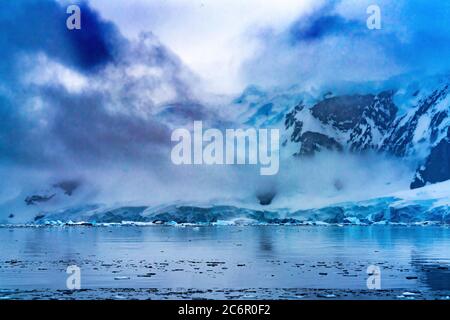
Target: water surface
point(252, 262)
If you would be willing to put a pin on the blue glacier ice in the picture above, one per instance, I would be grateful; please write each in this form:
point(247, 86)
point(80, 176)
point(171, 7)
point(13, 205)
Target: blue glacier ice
point(428, 205)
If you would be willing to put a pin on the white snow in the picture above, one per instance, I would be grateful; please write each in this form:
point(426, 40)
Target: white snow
point(435, 191)
point(422, 127)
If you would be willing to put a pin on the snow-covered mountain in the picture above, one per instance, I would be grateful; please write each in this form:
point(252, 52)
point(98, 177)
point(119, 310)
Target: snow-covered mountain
point(409, 121)
point(349, 122)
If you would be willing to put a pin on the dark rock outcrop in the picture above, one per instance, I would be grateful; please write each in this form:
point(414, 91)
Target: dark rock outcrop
point(313, 142)
point(358, 123)
point(437, 165)
point(32, 200)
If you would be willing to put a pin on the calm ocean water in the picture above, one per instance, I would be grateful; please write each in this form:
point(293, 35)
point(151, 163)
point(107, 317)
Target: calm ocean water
point(186, 262)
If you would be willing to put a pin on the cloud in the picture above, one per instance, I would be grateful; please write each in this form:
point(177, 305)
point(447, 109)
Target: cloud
point(212, 37)
point(94, 107)
point(333, 45)
point(88, 105)
point(82, 94)
point(40, 26)
point(320, 24)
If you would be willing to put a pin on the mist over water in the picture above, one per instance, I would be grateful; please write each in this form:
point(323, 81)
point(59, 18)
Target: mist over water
point(302, 183)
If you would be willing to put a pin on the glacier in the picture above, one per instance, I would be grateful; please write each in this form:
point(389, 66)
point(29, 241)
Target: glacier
point(429, 205)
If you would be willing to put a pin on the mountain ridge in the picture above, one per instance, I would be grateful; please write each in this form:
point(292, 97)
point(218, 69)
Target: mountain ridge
point(361, 122)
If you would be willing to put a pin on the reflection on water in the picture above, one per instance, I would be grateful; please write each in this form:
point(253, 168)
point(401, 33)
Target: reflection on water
point(435, 276)
point(412, 258)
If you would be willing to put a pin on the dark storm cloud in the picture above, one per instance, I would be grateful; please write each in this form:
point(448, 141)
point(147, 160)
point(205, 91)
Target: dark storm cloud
point(95, 43)
point(320, 26)
point(40, 25)
point(90, 133)
point(111, 118)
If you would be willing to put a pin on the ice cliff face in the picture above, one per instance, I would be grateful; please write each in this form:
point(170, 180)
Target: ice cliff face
point(428, 205)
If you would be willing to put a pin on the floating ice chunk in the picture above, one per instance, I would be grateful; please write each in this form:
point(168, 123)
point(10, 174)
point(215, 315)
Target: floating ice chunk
point(329, 296)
